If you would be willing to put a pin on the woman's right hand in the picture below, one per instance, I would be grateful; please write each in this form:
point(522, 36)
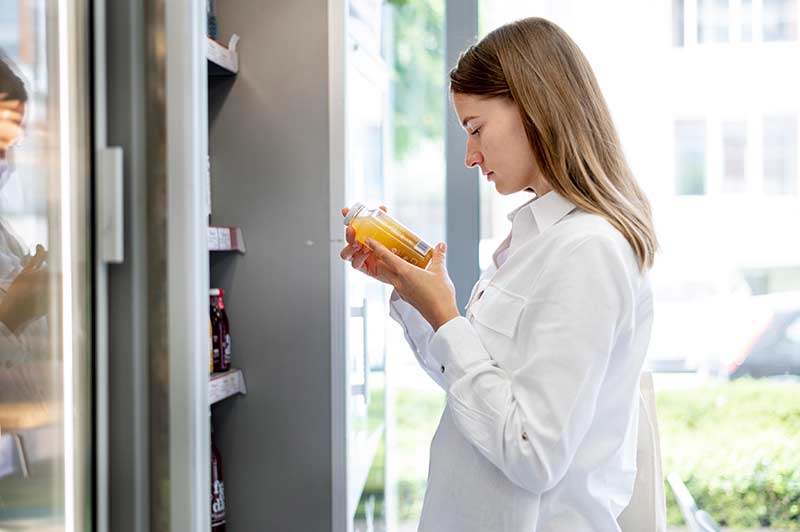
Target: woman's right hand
point(360, 256)
point(27, 297)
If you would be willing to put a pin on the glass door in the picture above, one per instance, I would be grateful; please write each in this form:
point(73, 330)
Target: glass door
point(366, 98)
point(45, 273)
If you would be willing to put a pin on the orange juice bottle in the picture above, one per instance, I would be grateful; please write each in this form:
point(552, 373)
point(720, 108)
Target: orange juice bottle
point(379, 226)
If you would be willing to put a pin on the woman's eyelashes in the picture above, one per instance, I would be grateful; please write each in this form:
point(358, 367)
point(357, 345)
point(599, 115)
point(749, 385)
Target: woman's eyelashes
point(471, 128)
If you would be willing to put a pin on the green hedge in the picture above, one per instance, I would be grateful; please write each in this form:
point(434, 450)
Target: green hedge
point(736, 445)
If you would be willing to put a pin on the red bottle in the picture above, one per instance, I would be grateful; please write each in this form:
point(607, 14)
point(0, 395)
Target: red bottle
point(221, 332)
point(217, 490)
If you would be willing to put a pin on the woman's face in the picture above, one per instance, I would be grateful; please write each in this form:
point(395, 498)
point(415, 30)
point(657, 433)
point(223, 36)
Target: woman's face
point(497, 144)
point(12, 113)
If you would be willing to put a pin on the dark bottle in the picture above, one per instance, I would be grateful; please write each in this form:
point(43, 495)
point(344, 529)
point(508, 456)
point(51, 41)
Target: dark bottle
point(217, 490)
point(221, 332)
point(211, 18)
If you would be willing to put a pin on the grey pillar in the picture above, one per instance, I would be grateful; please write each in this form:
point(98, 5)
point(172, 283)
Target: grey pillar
point(462, 193)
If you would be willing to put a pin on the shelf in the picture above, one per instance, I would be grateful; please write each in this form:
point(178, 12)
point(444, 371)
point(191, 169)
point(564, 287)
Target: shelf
point(225, 239)
point(222, 61)
point(225, 384)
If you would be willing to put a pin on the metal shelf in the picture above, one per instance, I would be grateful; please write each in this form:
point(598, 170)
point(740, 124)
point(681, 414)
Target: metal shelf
point(225, 384)
point(226, 239)
point(222, 61)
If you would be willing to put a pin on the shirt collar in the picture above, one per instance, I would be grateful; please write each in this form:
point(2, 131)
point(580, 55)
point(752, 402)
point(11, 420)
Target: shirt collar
point(547, 209)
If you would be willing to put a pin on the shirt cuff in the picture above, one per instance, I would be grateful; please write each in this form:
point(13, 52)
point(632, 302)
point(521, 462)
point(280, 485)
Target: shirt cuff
point(457, 349)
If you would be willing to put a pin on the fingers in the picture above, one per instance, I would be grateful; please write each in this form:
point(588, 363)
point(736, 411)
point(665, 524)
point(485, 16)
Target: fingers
point(350, 235)
point(355, 253)
point(35, 262)
point(348, 252)
point(392, 261)
point(359, 258)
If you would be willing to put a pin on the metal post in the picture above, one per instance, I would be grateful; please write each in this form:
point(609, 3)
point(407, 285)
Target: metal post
point(462, 193)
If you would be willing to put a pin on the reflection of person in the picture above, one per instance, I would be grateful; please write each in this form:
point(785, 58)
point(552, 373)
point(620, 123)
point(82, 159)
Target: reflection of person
point(22, 278)
point(542, 374)
point(23, 282)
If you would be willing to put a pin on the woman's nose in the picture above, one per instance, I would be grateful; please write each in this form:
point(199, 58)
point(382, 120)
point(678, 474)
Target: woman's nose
point(473, 158)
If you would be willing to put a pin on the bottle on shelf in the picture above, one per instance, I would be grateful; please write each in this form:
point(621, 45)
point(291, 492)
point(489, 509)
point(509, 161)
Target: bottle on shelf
point(210, 345)
point(217, 489)
point(221, 332)
point(377, 225)
point(211, 19)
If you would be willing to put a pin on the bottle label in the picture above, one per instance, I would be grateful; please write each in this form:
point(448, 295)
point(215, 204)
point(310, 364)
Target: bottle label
point(218, 504)
point(422, 247)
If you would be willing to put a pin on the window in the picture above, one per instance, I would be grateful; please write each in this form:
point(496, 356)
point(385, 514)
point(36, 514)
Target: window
point(780, 154)
point(678, 22)
point(792, 333)
point(747, 20)
point(416, 195)
point(772, 279)
point(734, 147)
point(713, 21)
point(780, 20)
point(690, 157)
point(664, 115)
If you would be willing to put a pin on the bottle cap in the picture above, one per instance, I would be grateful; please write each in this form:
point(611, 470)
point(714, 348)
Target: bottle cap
point(213, 292)
point(355, 209)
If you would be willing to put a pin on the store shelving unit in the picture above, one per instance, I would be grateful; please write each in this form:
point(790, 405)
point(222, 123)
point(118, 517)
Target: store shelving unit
point(225, 384)
point(226, 239)
point(222, 60)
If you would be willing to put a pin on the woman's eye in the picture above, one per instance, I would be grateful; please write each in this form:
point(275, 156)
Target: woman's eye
point(477, 130)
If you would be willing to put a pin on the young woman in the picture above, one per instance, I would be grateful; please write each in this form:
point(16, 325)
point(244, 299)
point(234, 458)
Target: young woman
point(542, 373)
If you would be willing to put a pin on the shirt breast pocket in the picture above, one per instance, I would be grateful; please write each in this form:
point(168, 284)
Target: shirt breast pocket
point(499, 309)
point(477, 293)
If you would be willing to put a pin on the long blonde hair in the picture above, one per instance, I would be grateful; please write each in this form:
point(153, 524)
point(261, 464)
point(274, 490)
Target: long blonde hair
point(536, 64)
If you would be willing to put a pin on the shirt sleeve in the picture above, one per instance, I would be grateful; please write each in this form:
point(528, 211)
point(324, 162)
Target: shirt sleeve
point(12, 347)
point(529, 423)
point(418, 333)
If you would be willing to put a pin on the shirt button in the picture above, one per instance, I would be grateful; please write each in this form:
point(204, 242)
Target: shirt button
point(442, 369)
point(525, 436)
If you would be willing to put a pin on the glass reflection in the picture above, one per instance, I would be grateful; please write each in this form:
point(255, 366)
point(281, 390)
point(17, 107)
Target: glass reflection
point(31, 404)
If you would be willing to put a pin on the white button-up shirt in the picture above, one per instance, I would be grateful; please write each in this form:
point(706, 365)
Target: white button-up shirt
point(542, 380)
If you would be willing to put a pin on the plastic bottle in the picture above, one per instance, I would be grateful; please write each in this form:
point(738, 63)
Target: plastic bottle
point(377, 225)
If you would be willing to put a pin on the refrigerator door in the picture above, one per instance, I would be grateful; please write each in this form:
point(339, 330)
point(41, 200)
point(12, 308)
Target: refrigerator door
point(45, 267)
point(365, 123)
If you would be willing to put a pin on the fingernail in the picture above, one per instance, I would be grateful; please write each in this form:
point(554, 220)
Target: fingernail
point(368, 242)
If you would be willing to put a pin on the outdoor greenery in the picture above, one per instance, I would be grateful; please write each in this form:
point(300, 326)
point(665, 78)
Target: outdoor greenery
point(736, 445)
point(418, 76)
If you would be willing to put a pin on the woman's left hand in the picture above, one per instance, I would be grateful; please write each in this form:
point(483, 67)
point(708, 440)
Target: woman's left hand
point(430, 291)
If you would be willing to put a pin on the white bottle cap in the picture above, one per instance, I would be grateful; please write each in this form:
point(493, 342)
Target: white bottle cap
point(213, 292)
point(352, 213)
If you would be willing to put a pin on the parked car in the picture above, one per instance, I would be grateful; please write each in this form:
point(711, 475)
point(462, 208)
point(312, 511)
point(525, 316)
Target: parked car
point(774, 351)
